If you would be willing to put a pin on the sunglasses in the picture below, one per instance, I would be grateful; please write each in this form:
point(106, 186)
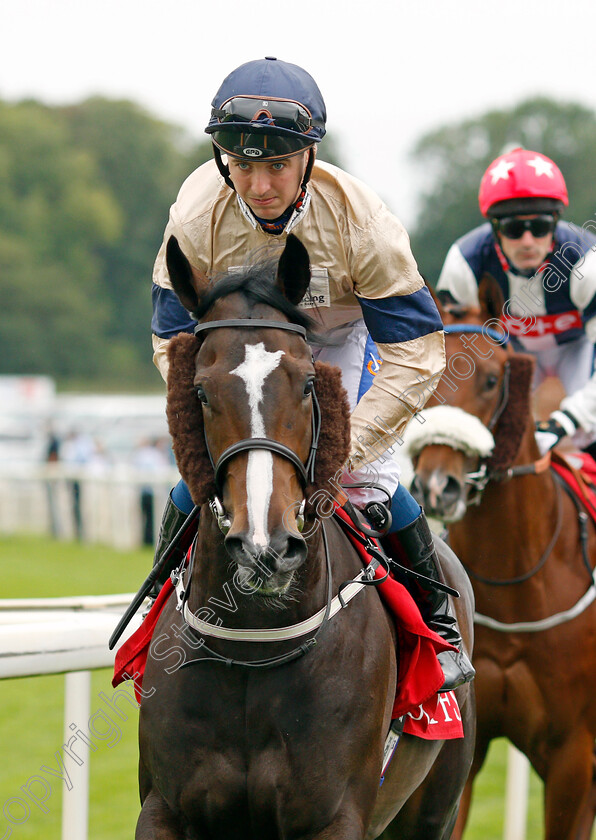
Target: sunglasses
point(281, 113)
point(514, 228)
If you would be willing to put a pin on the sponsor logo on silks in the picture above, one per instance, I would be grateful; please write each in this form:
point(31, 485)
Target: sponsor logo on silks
point(374, 365)
point(252, 152)
point(534, 326)
point(317, 294)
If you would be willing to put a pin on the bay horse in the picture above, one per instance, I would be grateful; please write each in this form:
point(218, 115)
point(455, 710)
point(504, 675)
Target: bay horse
point(236, 740)
point(519, 535)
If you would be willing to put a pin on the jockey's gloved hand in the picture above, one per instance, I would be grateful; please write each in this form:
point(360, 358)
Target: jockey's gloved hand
point(549, 432)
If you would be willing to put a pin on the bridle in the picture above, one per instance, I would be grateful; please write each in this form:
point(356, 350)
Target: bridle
point(305, 470)
point(481, 477)
point(316, 623)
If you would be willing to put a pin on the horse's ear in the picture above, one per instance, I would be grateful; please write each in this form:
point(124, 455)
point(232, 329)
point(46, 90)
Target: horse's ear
point(293, 271)
point(491, 298)
point(188, 283)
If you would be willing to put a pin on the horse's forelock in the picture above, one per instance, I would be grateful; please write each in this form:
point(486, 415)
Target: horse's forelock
point(257, 284)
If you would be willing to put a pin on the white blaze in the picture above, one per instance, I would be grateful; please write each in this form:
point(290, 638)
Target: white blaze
point(253, 371)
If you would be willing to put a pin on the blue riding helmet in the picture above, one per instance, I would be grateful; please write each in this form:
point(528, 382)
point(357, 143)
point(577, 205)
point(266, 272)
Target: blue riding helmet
point(267, 109)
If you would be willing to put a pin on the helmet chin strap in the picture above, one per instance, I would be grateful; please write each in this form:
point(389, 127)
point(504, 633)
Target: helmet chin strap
point(309, 166)
point(223, 169)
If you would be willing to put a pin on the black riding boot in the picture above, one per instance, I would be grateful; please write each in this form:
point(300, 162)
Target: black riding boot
point(171, 522)
point(417, 542)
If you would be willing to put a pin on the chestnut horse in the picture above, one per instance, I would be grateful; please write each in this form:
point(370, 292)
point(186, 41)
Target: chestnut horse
point(518, 533)
point(240, 738)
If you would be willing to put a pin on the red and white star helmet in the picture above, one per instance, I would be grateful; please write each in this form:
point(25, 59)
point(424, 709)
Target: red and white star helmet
point(522, 182)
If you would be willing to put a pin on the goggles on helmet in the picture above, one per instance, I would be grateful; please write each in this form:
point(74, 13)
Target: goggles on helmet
point(272, 113)
point(512, 227)
point(259, 144)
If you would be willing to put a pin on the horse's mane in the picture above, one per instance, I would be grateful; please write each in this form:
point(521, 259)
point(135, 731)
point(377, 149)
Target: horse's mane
point(257, 283)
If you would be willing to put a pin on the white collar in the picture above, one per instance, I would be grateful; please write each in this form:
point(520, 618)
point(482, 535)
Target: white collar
point(294, 219)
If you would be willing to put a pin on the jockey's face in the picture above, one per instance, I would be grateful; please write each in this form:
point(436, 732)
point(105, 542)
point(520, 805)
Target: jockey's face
point(529, 252)
point(271, 187)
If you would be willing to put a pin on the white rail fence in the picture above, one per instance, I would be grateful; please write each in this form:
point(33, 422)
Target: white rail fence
point(63, 635)
point(69, 635)
point(70, 502)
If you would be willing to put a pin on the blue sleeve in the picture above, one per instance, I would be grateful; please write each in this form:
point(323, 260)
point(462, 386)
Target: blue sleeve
point(169, 316)
point(401, 318)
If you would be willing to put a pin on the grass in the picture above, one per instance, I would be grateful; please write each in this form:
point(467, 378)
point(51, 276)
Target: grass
point(31, 710)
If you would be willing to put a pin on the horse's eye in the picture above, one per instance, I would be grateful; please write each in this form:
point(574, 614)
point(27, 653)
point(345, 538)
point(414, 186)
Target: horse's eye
point(309, 387)
point(491, 382)
point(201, 395)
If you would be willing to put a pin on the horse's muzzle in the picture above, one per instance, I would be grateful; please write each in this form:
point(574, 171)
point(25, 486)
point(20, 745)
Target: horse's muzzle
point(272, 565)
point(441, 495)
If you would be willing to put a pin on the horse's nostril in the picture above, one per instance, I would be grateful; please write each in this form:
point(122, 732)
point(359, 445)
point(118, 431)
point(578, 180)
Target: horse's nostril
point(295, 552)
point(452, 492)
point(284, 553)
point(240, 550)
point(438, 494)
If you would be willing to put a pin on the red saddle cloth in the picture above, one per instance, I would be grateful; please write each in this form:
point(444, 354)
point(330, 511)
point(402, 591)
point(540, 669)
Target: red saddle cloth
point(429, 715)
point(578, 471)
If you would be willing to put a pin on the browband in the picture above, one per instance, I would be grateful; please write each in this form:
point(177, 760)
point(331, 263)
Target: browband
point(251, 322)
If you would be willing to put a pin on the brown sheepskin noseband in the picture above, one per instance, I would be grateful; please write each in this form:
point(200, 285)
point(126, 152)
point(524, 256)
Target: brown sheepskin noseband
point(185, 420)
point(513, 422)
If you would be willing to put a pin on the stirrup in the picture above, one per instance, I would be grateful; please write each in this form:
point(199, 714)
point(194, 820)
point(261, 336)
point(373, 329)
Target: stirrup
point(380, 516)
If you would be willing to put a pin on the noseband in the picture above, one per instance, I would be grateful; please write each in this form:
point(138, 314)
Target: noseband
point(305, 471)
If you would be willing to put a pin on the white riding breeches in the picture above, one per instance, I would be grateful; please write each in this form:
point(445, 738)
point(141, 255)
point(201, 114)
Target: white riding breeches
point(354, 352)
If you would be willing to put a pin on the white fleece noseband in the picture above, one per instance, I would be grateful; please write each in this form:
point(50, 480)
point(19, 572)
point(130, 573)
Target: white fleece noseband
point(450, 426)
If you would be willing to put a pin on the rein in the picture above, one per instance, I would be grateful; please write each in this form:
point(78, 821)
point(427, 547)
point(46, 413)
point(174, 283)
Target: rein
point(527, 575)
point(566, 615)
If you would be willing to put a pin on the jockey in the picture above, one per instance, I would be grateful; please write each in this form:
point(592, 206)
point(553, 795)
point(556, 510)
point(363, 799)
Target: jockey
point(264, 182)
point(546, 269)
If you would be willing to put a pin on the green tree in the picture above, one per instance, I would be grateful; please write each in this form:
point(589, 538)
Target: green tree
point(143, 161)
point(453, 159)
point(53, 212)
